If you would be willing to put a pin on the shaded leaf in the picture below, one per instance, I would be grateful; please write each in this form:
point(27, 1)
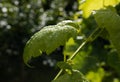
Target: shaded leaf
point(111, 21)
point(114, 61)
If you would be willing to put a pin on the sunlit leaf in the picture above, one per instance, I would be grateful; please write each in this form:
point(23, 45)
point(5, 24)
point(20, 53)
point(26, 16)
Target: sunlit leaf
point(47, 40)
point(96, 76)
point(71, 23)
point(70, 47)
point(89, 5)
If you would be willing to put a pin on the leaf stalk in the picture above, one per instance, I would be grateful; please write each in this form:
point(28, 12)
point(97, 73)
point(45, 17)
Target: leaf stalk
point(91, 38)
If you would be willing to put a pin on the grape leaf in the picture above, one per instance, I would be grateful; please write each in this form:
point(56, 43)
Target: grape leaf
point(47, 40)
point(111, 21)
point(89, 5)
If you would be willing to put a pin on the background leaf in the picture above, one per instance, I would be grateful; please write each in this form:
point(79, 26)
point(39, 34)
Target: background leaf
point(111, 21)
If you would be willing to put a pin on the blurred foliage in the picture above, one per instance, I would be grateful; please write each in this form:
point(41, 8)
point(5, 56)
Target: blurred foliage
point(20, 19)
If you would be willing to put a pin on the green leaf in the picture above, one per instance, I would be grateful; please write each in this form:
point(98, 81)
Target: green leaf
point(47, 40)
point(70, 47)
point(113, 60)
point(64, 65)
point(96, 76)
point(89, 5)
point(76, 76)
point(111, 21)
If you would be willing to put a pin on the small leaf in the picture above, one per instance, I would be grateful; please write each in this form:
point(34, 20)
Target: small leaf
point(111, 21)
point(70, 47)
point(76, 76)
point(64, 65)
point(47, 40)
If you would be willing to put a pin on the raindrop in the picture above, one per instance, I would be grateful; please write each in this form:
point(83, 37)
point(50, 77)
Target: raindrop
point(80, 37)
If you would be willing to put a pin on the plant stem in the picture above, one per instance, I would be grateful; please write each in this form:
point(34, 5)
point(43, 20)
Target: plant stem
point(90, 38)
point(64, 58)
point(75, 53)
point(58, 74)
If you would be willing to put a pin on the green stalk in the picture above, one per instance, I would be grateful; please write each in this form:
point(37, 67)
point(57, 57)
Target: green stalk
point(75, 53)
point(59, 73)
point(92, 37)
